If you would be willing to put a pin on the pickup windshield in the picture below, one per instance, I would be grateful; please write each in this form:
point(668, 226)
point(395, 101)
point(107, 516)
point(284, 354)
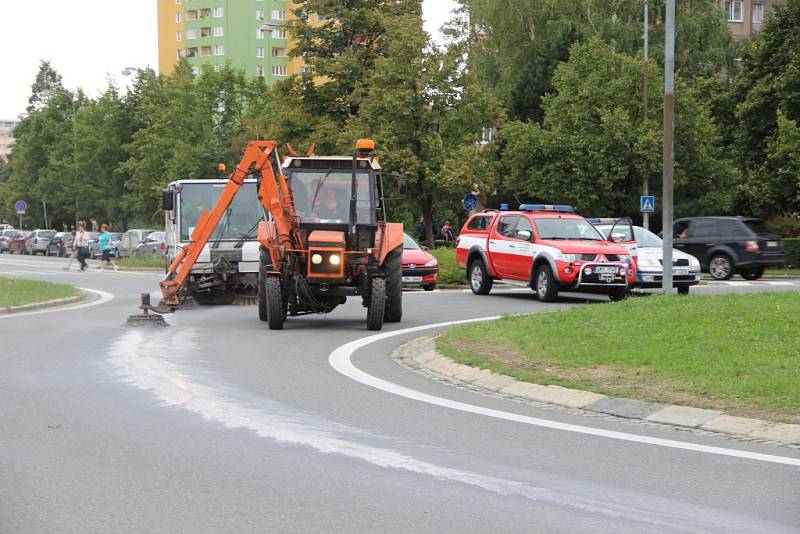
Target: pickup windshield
point(568, 229)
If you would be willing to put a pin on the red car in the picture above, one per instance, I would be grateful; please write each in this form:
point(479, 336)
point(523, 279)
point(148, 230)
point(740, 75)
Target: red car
point(551, 248)
point(420, 268)
point(17, 243)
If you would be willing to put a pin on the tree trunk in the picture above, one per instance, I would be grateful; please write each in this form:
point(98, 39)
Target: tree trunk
point(427, 214)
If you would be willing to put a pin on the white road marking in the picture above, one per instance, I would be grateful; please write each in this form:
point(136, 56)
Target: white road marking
point(103, 298)
point(737, 283)
point(340, 360)
point(772, 283)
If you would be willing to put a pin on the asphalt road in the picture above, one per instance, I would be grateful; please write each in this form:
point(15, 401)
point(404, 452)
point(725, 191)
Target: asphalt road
point(217, 424)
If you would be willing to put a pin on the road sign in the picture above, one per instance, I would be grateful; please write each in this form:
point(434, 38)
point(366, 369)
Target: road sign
point(470, 202)
point(648, 204)
point(20, 206)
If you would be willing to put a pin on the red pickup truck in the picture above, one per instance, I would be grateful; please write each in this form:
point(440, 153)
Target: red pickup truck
point(549, 247)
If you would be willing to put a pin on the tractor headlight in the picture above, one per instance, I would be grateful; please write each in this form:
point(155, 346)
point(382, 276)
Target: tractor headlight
point(335, 259)
point(316, 259)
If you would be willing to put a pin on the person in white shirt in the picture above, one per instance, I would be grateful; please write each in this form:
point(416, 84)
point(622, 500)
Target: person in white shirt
point(81, 246)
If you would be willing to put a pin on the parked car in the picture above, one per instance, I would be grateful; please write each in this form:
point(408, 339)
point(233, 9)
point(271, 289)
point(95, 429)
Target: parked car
point(61, 245)
point(5, 226)
point(550, 248)
point(17, 242)
point(420, 268)
point(38, 240)
point(649, 256)
point(728, 245)
point(154, 244)
point(130, 241)
point(93, 244)
point(5, 238)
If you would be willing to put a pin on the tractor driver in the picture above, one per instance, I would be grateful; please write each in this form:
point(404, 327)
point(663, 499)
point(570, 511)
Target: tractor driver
point(329, 207)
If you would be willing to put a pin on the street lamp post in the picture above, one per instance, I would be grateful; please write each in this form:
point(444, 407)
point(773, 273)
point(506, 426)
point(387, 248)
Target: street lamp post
point(669, 144)
point(645, 96)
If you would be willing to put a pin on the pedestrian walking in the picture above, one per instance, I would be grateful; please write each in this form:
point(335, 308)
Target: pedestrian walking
point(80, 247)
point(104, 241)
point(447, 233)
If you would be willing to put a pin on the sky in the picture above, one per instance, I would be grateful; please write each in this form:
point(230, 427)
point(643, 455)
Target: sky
point(68, 37)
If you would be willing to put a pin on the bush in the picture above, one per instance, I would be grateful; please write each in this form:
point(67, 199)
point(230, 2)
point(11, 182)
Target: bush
point(792, 248)
point(449, 271)
point(785, 226)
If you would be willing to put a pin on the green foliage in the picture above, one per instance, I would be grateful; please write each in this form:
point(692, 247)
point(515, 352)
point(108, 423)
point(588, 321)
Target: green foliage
point(449, 270)
point(47, 82)
point(792, 248)
point(594, 149)
point(785, 225)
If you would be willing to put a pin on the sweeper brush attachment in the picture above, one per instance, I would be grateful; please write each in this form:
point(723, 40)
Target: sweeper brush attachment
point(245, 300)
point(146, 318)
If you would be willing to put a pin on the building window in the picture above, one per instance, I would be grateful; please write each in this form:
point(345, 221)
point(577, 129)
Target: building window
point(191, 34)
point(219, 31)
point(260, 70)
point(733, 10)
point(305, 69)
point(178, 18)
point(278, 52)
point(279, 34)
point(279, 70)
point(195, 70)
point(191, 15)
point(218, 12)
point(260, 52)
point(178, 37)
point(205, 51)
point(487, 134)
point(218, 67)
point(758, 15)
point(278, 14)
point(219, 50)
point(259, 14)
point(177, 2)
point(259, 33)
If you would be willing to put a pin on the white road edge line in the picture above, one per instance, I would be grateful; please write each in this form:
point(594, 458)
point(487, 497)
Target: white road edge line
point(340, 360)
point(104, 297)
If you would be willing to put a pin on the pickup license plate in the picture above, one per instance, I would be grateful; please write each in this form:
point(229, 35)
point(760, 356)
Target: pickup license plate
point(772, 244)
point(607, 278)
point(680, 272)
point(606, 269)
point(412, 279)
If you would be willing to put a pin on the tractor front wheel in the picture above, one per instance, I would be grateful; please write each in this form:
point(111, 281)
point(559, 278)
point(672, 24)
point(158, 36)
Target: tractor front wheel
point(377, 304)
point(274, 303)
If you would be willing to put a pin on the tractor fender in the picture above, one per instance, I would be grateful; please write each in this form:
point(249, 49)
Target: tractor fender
point(391, 238)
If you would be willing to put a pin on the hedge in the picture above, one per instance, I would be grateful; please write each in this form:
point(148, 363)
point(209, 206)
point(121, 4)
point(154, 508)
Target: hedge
point(792, 248)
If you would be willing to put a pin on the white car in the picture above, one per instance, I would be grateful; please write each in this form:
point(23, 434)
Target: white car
point(649, 256)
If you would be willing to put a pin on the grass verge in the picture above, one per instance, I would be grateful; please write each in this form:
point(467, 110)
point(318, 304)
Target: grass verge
point(738, 353)
point(16, 292)
point(449, 271)
point(782, 272)
point(138, 262)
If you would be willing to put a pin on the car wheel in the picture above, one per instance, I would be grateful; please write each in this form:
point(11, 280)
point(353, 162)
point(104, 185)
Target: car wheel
point(546, 285)
point(429, 287)
point(683, 290)
point(753, 274)
point(479, 281)
point(720, 267)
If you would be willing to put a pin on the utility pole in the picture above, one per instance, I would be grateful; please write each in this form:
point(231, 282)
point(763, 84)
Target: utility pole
point(44, 207)
point(645, 96)
point(669, 144)
point(74, 152)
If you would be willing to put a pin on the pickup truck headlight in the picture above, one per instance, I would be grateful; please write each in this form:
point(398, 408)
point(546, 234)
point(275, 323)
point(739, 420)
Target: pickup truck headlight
point(569, 258)
point(431, 263)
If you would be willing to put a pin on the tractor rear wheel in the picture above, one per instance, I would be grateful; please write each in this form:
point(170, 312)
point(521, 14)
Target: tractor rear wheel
point(377, 304)
point(274, 303)
point(393, 266)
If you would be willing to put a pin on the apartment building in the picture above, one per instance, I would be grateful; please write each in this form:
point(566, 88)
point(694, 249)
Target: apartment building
point(6, 137)
point(246, 33)
point(745, 17)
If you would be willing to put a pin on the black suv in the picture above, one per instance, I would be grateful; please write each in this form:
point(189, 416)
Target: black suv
point(728, 245)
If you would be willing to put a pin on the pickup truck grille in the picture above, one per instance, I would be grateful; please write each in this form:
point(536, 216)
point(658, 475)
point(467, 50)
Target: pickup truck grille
point(586, 257)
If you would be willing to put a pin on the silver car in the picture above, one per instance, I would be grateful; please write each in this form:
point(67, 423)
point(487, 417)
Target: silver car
point(38, 241)
point(130, 240)
point(649, 258)
point(153, 245)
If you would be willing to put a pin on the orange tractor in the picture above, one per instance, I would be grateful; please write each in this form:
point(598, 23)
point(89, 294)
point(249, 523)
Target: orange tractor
point(327, 238)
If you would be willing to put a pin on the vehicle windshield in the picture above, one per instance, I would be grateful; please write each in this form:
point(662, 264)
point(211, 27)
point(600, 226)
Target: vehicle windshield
point(47, 234)
point(644, 238)
point(324, 196)
point(116, 236)
point(409, 243)
point(759, 227)
point(573, 229)
point(240, 221)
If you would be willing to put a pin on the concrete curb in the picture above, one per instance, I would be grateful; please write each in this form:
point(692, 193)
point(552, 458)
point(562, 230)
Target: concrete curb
point(421, 353)
point(42, 305)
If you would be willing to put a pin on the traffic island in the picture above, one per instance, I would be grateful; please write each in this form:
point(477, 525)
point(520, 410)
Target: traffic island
point(18, 295)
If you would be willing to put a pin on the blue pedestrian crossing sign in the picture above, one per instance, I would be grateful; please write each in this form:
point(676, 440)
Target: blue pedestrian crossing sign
point(648, 204)
point(470, 201)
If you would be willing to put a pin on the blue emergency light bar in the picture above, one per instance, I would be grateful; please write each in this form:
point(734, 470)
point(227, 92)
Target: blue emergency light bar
point(547, 207)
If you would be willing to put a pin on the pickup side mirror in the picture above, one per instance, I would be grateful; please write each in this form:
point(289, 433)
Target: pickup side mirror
point(525, 235)
point(167, 199)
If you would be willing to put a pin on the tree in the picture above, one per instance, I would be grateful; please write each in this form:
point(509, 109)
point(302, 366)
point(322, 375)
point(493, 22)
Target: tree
point(522, 41)
point(767, 93)
point(47, 82)
point(593, 149)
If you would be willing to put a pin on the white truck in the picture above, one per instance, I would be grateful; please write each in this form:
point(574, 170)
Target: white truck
point(227, 268)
